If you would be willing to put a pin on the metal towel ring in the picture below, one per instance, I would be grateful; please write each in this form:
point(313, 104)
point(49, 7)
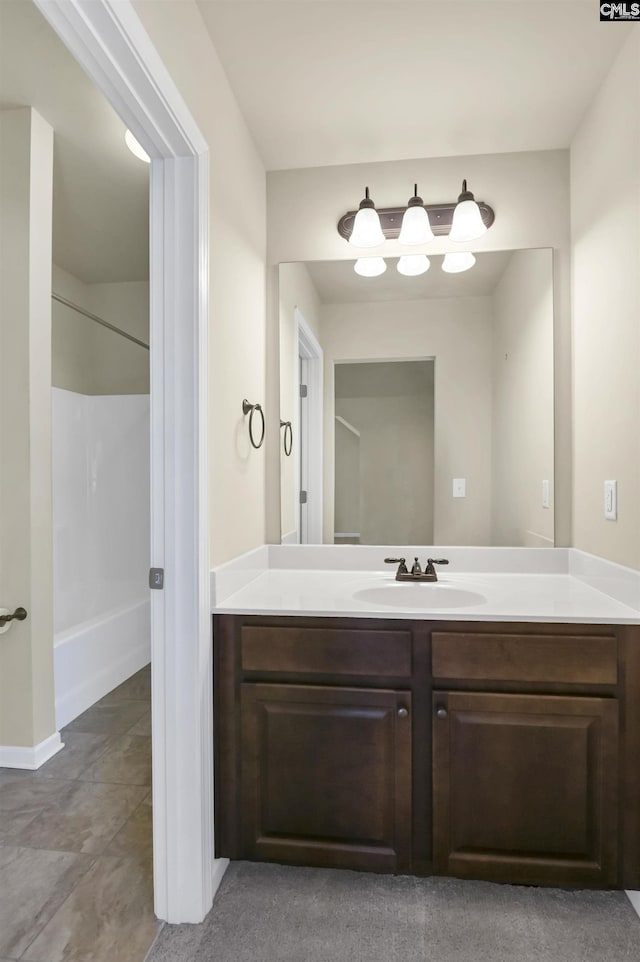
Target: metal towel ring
point(287, 427)
point(246, 408)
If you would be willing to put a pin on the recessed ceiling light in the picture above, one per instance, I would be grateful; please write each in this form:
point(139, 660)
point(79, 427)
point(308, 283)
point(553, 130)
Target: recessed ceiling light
point(135, 147)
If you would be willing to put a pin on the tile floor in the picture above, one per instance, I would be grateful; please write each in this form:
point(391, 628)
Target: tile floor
point(75, 840)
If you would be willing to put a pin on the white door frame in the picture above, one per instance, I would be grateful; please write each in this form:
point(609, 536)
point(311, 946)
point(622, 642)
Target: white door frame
point(308, 348)
point(108, 40)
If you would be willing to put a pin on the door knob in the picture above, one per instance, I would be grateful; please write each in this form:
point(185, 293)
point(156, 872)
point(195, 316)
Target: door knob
point(403, 712)
point(19, 615)
point(441, 711)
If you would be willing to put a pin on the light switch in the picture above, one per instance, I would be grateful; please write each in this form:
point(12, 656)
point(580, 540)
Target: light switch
point(459, 487)
point(545, 494)
point(611, 500)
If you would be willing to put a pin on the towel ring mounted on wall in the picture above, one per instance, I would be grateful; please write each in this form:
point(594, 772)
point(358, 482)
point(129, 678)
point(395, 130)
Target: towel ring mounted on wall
point(246, 408)
point(287, 429)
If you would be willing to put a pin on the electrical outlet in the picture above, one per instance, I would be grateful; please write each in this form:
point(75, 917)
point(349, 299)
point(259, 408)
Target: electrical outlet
point(611, 500)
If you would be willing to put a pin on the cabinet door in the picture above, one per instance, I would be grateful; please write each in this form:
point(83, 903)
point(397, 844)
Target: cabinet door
point(326, 776)
point(525, 788)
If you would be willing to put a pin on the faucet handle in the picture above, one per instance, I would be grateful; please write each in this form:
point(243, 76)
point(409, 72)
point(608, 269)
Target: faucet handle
point(416, 569)
point(438, 561)
point(397, 561)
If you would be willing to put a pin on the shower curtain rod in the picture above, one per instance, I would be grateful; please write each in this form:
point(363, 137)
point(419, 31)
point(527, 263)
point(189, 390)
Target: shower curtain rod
point(98, 320)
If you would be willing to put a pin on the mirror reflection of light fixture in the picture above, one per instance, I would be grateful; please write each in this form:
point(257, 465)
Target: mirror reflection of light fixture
point(416, 228)
point(136, 149)
point(370, 266)
point(367, 231)
point(413, 264)
point(458, 262)
point(467, 222)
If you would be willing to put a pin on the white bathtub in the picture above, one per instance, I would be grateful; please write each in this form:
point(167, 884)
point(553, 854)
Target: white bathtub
point(94, 656)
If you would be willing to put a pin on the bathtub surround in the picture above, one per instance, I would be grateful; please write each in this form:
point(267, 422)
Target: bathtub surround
point(100, 545)
point(26, 653)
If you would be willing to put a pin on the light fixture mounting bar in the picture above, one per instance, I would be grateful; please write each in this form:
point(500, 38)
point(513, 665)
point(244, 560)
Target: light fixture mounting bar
point(440, 217)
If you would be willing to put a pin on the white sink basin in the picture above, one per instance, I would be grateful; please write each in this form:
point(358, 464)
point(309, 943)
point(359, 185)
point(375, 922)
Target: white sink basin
point(419, 595)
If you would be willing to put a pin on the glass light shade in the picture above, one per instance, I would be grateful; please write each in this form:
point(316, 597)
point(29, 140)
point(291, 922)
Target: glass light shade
point(370, 266)
point(458, 262)
point(416, 228)
point(413, 264)
point(367, 231)
point(467, 222)
point(135, 147)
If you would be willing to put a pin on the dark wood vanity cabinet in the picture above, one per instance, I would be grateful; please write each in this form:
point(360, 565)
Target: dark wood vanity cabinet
point(326, 776)
point(489, 751)
point(525, 788)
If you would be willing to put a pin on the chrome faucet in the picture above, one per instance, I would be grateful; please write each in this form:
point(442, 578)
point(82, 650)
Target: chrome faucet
point(416, 573)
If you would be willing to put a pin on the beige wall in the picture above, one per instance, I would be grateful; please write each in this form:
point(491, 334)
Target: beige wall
point(237, 275)
point(392, 407)
point(522, 435)
point(457, 333)
point(88, 358)
point(605, 228)
point(295, 290)
point(26, 650)
point(529, 192)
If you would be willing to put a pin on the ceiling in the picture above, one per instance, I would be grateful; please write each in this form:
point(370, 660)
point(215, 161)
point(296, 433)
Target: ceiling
point(322, 82)
point(337, 283)
point(319, 82)
point(100, 190)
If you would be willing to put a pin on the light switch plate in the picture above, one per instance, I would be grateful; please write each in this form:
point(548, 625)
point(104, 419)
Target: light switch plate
point(545, 494)
point(459, 487)
point(611, 500)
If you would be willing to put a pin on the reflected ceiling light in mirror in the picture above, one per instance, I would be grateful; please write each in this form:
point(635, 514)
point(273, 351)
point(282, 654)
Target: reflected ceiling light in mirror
point(370, 266)
point(135, 147)
point(413, 264)
point(416, 228)
point(458, 262)
point(367, 231)
point(467, 220)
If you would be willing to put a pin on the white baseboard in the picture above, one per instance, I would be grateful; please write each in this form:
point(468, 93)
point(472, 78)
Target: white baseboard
point(220, 866)
point(634, 898)
point(14, 756)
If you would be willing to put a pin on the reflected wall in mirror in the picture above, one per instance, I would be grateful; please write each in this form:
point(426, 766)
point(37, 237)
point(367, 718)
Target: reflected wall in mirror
point(486, 336)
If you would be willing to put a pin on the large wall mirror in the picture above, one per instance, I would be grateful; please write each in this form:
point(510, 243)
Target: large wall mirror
point(421, 408)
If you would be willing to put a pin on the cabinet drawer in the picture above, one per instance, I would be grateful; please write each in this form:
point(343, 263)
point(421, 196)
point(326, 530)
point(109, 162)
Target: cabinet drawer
point(569, 659)
point(326, 651)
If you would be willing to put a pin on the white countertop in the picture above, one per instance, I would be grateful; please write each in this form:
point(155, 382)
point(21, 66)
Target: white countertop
point(530, 597)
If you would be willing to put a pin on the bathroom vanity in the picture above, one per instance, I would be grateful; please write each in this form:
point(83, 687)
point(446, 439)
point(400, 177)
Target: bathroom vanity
point(505, 750)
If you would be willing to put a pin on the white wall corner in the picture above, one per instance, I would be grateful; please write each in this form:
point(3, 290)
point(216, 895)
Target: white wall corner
point(220, 866)
point(15, 756)
point(634, 898)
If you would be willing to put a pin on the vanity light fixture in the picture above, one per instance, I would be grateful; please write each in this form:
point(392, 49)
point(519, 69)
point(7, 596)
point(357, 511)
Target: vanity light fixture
point(411, 265)
point(366, 230)
point(136, 149)
point(458, 262)
point(467, 222)
point(368, 226)
point(416, 228)
point(370, 266)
